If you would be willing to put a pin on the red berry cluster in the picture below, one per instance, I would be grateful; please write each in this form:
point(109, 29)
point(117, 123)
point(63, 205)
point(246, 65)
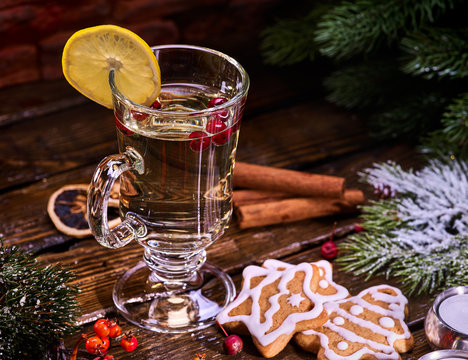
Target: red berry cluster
point(217, 125)
point(98, 343)
point(137, 115)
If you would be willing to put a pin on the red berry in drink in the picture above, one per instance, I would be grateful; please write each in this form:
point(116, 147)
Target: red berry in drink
point(329, 250)
point(138, 116)
point(200, 141)
point(236, 126)
point(233, 344)
point(156, 105)
point(217, 101)
point(101, 327)
point(215, 126)
point(222, 137)
point(123, 129)
point(222, 115)
point(129, 343)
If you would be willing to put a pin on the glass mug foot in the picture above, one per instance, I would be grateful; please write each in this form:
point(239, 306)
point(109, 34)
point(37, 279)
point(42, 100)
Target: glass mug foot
point(145, 301)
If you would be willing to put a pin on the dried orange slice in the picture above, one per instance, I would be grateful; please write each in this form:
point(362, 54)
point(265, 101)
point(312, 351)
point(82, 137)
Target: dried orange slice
point(67, 209)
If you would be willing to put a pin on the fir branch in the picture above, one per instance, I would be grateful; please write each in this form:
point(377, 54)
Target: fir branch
point(37, 307)
point(455, 120)
point(366, 84)
point(436, 52)
point(291, 41)
point(436, 145)
point(401, 105)
point(359, 27)
point(452, 138)
point(414, 114)
point(420, 235)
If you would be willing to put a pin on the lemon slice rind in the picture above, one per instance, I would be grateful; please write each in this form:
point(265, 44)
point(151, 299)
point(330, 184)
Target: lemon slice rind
point(91, 53)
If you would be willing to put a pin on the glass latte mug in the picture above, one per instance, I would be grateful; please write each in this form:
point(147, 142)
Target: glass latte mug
point(175, 167)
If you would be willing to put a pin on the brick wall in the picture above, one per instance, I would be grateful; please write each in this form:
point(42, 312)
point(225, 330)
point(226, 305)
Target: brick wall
point(33, 32)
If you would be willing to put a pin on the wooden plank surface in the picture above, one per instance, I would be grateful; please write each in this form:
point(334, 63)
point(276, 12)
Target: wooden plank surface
point(286, 125)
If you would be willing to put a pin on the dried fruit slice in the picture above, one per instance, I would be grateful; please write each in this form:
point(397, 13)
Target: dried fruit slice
point(67, 210)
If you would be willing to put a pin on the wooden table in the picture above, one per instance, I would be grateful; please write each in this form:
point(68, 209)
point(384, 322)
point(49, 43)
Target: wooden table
point(51, 136)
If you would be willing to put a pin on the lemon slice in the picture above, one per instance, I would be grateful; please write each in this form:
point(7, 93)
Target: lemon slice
point(91, 53)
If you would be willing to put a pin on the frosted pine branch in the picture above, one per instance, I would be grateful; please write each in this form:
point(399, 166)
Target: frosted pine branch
point(432, 202)
point(418, 231)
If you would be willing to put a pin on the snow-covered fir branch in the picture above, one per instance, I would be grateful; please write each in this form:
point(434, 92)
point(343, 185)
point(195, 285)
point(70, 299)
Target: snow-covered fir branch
point(418, 230)
point(433, 202)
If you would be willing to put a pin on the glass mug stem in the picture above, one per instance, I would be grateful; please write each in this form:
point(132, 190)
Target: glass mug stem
point(105, 175)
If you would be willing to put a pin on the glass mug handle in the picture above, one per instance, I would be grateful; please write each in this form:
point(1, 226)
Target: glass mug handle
point(105, 175)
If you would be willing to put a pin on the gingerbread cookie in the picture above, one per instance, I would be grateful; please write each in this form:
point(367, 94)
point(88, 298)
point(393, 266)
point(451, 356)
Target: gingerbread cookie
point(367, 326)
point(329, 289)
point(275, 302)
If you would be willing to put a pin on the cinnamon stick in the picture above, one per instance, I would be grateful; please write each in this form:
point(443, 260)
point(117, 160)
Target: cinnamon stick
point(260, 177)
point(294, 209)
point(250, 196)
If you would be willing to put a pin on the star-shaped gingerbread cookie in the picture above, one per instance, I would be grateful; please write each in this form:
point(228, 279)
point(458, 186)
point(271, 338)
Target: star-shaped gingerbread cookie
point(367, 326)
point(276, 301)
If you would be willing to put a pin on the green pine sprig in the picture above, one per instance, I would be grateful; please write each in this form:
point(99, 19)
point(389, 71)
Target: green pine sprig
point(434, 52)
point(366, 84)
point(290, 41)
point(406, 62)
point(452, 138)
point(400, 105)
point(361, 27)
point(37, 305)
point(413, 114)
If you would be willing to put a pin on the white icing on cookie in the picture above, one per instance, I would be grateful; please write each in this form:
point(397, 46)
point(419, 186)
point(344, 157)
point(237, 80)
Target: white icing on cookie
point(261, 330)
point(342, 345)
point(338, 320)
point(356, 310)
point(323, 284)
point(295, 300)
point(386, 322)
point(325, 272)
point(395, 312)
point(341, 291)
